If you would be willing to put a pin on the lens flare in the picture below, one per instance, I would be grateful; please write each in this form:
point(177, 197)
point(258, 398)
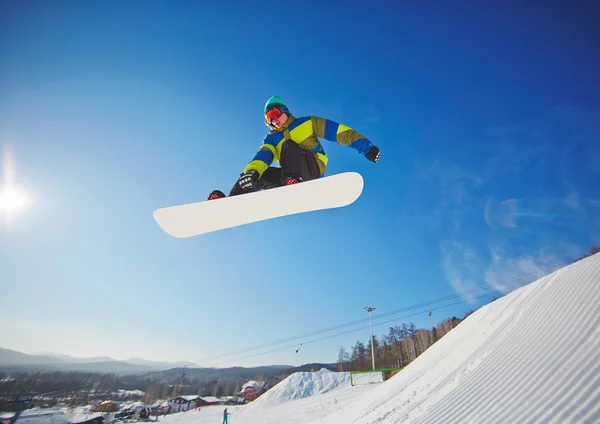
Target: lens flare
point(510, 212)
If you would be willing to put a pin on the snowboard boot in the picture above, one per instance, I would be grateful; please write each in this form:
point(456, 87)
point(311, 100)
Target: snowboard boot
point(216, 194)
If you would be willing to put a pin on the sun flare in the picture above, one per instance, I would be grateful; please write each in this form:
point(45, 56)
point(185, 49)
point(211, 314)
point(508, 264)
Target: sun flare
point(12, 200)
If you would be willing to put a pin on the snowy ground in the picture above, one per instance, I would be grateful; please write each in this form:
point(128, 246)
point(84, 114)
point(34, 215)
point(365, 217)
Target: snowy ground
point(532, 356)
point(42, 416)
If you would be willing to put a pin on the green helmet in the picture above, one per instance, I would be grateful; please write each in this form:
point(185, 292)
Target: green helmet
point(274, 102)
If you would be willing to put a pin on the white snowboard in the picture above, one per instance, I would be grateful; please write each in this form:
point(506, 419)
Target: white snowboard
point(197, 218)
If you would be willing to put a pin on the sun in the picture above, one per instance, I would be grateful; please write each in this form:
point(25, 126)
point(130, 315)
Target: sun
point(12, 199)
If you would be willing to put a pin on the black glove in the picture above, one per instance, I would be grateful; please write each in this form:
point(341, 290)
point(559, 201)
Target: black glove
point(248, 181)
point(373, 154)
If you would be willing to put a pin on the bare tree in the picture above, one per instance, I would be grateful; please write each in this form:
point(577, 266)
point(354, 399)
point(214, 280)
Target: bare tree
point(421, 338)
point(402, 345)
point(343, 359)
point(359, 356)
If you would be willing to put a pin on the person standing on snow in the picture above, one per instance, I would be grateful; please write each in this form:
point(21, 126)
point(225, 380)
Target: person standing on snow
point(225, 415)
point(294, 143)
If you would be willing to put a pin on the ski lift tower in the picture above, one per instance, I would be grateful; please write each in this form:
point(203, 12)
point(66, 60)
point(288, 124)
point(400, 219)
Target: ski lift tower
point(370, 309)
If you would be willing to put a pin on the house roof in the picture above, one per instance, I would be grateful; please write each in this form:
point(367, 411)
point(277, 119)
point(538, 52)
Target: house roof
point(188, 398)
point(257, 385)
point(210, 399)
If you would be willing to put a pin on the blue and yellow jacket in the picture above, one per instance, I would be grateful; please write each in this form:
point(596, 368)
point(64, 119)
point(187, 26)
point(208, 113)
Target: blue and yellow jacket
point(305, 131)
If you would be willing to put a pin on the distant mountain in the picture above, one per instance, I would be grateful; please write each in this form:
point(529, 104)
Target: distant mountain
point(74, 360)
point(11, 360)
point(12, 357)
point(269, 371)
point(158, 364)
point(316, 367)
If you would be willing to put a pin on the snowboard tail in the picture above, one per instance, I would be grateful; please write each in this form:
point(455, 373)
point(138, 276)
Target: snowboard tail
point(192, 219)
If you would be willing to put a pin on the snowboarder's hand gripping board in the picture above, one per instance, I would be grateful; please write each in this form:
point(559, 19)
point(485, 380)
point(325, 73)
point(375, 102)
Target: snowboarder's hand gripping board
point(193, 219)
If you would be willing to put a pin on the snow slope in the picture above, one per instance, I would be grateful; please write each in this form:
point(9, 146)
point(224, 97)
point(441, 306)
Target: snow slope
point(44, 416)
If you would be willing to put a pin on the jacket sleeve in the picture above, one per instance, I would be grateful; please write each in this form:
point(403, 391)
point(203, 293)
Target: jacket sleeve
point(340, 133)
point(266, 155)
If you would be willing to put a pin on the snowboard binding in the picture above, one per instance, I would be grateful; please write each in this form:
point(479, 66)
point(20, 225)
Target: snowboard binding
point(215, 194)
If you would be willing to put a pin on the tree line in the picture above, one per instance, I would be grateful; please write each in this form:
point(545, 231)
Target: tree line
point(69, 388)
point(81, 388)
point(396, 349)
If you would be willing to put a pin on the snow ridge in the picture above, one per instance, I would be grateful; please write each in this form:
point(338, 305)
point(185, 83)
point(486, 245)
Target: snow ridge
point(300, 385)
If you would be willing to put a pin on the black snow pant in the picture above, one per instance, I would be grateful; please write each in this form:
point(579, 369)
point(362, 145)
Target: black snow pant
point(295, 161)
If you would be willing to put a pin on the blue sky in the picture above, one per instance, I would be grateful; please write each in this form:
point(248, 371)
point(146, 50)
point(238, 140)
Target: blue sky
point(487, 117)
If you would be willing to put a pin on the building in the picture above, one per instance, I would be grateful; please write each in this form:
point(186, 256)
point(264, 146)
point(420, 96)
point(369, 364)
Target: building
point(209, 400)
point(106, 406)
point(253, 389)
point(183, 403)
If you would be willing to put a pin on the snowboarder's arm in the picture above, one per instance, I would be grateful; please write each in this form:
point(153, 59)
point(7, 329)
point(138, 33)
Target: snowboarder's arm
point(340, 133)
point(266, 155)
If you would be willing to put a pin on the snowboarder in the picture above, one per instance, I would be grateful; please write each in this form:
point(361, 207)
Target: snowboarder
point(225, 415)
point(294, 143)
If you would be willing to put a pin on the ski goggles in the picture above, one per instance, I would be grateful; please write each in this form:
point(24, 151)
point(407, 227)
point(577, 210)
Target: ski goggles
point(275, 113)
